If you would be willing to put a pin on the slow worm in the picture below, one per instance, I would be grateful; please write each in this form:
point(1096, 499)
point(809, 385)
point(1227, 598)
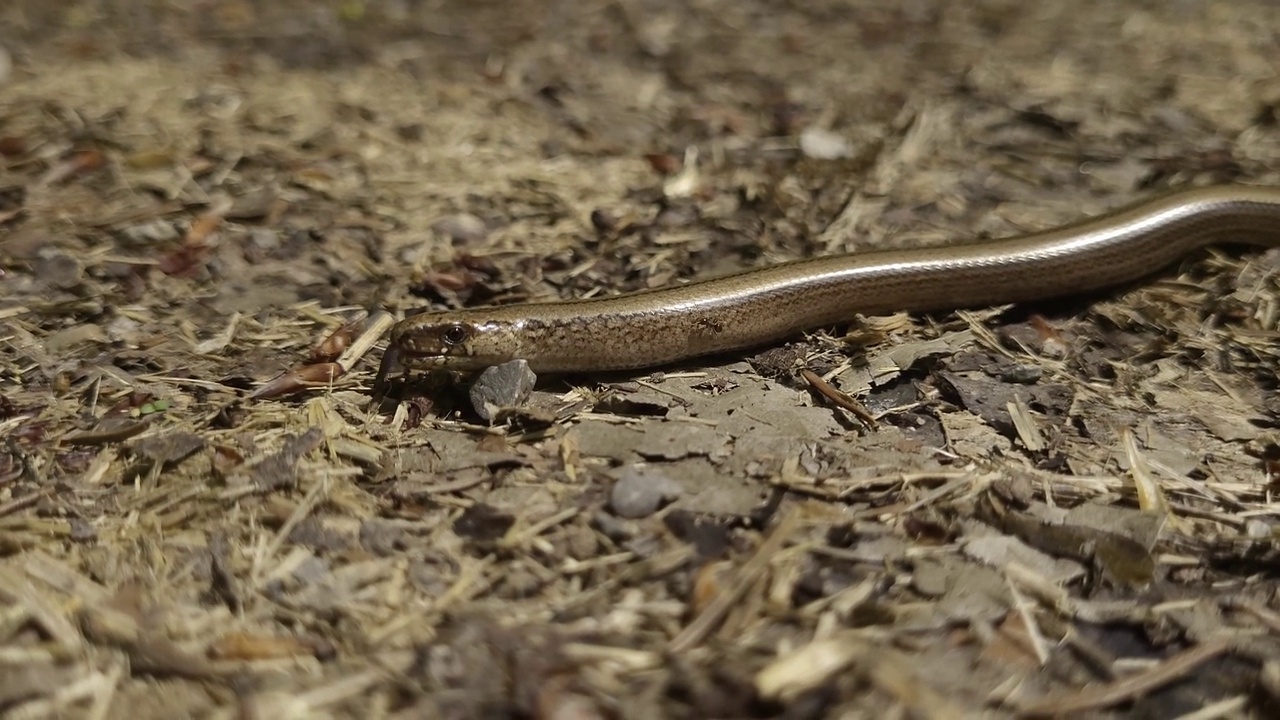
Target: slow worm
point(757, 307)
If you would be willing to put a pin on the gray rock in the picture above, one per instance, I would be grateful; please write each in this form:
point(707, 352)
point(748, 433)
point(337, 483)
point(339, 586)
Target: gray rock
point(641, 490)
point(502, 386)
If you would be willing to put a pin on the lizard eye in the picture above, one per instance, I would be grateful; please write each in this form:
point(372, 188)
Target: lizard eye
point(455, 334)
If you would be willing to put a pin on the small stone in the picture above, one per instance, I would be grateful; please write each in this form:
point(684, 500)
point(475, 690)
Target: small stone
point(1255, 529)
point(412, 132)
point(311, 570)
point(603, 220)
point(641, 490)
point(502, 386)
point(60, 270)
point(929, 579)
point(822, 144)
point(253, 205)
point(1023, 374)
point(265, 239)
point(154, 232)
point(1025, 336)
point(462, 228)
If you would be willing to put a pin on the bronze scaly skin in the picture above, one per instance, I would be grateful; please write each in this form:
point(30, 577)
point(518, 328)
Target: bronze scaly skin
point(758, 307)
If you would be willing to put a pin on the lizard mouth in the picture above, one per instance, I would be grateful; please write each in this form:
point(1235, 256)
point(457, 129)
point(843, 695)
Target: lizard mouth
point(420, 358)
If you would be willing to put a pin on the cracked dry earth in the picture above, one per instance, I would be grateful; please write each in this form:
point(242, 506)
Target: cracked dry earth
point(211, 211)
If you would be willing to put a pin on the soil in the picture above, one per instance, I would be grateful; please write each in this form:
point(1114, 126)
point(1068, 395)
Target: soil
point(211, 211)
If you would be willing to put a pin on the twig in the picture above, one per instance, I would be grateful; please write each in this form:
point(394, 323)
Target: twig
point(840, 398)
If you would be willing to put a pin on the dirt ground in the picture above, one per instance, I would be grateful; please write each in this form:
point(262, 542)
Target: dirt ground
point(1064, 508)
